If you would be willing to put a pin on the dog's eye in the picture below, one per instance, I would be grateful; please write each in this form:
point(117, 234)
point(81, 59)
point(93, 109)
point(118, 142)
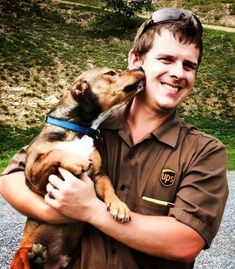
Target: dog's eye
point(111, 73)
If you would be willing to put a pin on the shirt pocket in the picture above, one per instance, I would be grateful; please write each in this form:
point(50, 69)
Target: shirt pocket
point(151, 209)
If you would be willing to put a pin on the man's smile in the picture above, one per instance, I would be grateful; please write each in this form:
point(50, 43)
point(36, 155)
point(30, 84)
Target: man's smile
point(172, 88)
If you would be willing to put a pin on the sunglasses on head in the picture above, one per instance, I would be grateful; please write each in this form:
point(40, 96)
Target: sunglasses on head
point(172, 14)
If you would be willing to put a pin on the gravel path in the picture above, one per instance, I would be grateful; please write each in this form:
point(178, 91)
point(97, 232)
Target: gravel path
point(221, 28)
point(219, 256)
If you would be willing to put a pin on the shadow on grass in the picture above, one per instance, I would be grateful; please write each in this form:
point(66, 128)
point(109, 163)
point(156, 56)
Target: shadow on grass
point(12, 139)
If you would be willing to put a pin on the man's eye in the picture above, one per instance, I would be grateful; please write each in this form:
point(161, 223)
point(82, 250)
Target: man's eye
point(189, 67)
point(165, 60)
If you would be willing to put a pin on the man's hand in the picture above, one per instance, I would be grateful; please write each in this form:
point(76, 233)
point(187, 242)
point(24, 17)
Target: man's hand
point(74, 197)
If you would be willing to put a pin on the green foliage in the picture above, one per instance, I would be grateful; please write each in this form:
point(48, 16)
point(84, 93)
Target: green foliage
point(232, 9)
point(228, 1)
point(128, 8)
point(118, 17)
point(19, 8)
point(107, 24)
point(203, 5)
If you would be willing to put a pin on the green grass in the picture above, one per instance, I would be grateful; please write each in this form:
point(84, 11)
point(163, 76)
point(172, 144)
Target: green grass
point(12, 139)
point(39, 49)
point(223, 130)
point(214, 89)
point(209, 11)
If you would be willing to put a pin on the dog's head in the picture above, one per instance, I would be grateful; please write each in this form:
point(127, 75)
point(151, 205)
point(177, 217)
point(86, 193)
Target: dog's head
point(98, 90)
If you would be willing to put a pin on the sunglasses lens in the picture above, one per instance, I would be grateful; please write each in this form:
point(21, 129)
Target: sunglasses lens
point(166, 14)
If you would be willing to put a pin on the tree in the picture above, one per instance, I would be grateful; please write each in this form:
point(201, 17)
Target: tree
point(128, 8)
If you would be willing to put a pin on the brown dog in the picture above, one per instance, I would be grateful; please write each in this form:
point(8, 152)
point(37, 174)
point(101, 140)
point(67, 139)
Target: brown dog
point(55, 246)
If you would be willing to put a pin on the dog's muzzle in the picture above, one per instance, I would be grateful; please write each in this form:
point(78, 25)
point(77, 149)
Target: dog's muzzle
point(140, 86)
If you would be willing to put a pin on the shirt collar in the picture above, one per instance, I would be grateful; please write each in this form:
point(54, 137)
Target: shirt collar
point(117, 120)
point(167, 133)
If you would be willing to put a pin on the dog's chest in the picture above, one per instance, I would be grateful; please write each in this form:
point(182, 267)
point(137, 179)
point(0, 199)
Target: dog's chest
point(79, 146)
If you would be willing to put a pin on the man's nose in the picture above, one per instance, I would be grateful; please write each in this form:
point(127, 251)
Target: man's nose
point(177, 71)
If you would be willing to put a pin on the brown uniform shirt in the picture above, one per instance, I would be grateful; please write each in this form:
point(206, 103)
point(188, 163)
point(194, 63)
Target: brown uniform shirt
point(175, 163)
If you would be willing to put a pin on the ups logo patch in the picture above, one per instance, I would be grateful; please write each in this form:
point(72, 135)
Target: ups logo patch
point(167, 177)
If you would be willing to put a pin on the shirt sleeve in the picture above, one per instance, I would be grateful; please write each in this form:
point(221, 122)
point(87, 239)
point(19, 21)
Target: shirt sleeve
point(17, 163)
point(203, 191)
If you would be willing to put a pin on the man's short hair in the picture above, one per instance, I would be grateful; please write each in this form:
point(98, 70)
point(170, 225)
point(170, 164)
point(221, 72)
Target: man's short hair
point(186, 29)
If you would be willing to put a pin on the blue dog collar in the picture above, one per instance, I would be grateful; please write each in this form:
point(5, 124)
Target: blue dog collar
point(73, 127)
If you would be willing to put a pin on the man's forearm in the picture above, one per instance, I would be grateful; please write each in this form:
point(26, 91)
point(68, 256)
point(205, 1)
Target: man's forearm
point(159, 236)
point(15, 191)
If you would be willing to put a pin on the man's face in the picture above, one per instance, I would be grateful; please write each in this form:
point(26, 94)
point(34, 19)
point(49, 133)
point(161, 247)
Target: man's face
point(170, 68)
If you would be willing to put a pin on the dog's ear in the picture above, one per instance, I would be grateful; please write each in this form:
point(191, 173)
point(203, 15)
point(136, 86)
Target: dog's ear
point(80, 87)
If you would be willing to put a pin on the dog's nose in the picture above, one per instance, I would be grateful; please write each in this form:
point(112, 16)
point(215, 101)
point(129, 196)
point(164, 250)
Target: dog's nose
point(139, 69)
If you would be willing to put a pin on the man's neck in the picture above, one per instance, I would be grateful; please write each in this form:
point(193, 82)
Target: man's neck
point(142, 119)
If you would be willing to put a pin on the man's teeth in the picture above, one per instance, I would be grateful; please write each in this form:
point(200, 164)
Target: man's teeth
point(170, 87)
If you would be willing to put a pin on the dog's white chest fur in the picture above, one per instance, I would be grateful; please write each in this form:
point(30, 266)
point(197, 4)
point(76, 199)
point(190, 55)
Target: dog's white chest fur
point(79, 146)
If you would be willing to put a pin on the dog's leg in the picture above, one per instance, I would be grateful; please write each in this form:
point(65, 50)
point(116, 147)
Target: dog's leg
point(45, 246)
point(48, 163)
point(20, 260)
point(105, 191)
point(117, 208)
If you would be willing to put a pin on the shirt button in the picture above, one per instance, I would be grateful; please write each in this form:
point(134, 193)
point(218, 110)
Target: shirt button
point(114, 251)
point(123, 187)
point(131, 155)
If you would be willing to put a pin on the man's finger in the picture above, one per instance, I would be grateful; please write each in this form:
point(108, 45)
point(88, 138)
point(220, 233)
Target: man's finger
point(66, 174)
point(52, 192)
point(85, 177)
point(55, 181)
point(51, 201)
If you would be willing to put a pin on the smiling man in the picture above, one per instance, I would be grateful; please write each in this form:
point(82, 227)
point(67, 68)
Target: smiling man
point(170, 67)
point(172, 176)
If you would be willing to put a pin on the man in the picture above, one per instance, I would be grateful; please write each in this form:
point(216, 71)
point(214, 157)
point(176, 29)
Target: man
point(149, 153)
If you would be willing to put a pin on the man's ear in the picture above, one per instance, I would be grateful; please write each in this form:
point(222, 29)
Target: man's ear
point(134, 61)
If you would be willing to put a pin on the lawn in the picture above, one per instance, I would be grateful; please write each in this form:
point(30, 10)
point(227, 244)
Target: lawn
point(44, 49)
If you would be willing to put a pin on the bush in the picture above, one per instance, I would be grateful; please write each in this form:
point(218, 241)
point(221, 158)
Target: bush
point(118, 17)
point(232, 9)
point(107, 24)
point(128, 8)
point(16, 8)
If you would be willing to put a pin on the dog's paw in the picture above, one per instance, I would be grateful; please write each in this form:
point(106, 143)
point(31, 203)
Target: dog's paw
point(37, 254)
point(78, 166)
point(119, 210)
point(64, 261)
point(38, 258)
point(82, 166)
point(86, 166)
